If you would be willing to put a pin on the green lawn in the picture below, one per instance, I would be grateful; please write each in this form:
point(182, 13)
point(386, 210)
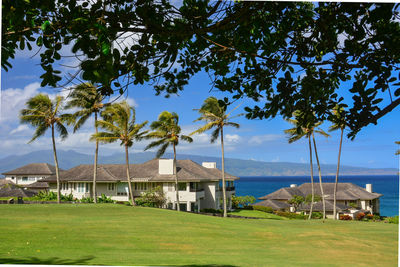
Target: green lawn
point(110, 234)
point(257, 214)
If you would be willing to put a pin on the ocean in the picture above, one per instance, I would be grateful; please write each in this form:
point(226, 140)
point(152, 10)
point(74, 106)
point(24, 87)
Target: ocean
point(388, 185)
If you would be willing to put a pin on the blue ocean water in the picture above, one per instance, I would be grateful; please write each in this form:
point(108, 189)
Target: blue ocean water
point(388, 185)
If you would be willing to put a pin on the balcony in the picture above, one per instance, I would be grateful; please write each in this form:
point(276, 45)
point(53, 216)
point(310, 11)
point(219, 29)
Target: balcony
point(228, 189)
point(196, 189)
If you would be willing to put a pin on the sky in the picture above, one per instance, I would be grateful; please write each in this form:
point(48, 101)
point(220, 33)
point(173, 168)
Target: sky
point(262, 140)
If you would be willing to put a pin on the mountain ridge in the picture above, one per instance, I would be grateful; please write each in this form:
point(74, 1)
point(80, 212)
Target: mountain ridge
point(238, 167)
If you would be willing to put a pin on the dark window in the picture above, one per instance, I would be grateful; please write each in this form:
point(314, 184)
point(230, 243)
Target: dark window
point(182, 186)
point(183, 207)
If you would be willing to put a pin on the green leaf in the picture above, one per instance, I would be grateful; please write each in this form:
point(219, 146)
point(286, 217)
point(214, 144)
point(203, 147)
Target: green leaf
point(45, 25)
point(105, 48)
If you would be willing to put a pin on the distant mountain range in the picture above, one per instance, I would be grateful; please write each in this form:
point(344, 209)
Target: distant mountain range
point(238, 167)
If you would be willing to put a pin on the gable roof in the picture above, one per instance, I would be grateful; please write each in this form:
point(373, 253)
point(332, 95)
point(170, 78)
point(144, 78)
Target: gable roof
point(345, 191)
point(13, 190)
point(272, 203)
point(32, 169)
point(187, 170)
point(318, 206)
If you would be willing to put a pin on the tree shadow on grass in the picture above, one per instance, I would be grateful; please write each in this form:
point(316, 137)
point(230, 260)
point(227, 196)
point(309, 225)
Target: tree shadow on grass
point(49, 261)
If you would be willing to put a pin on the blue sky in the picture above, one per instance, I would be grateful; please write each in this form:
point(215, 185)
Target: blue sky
point(256, 139)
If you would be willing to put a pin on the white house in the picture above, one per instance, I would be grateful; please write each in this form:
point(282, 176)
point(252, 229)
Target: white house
point(30, 173)
point(199, 185)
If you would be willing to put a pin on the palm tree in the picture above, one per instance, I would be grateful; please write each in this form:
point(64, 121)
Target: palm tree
point(87, 98)
point(43, 113)
point(398, 151)
point(119, 123)
point(298, 132)
point(339, 122)
point(215, 117)
point(168, 132)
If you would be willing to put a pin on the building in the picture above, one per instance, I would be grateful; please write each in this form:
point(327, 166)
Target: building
point(350, 198)
point(30, 174)
point(199, 185)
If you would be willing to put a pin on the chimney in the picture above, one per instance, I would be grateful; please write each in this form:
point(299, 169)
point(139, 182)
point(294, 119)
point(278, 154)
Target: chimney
point(368, 187)
point(293, 185)
point(209, 165)
point(166, 167)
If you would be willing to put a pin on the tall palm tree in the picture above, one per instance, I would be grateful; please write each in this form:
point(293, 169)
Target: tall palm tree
point(87, 98)
point(119, 123)
point(307, 130)
point(43, 113)
point(168, 133)
point(216, 118)
point(339, 122)
point(398, 151)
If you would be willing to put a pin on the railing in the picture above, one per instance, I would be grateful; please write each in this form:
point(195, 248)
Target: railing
point(196, 190)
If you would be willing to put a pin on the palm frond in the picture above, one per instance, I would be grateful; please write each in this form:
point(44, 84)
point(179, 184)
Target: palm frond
point(104, 137)
point(40, 130)
point(162, 150)
point(155, 143)
point(233, 124)
point(187, 138)
point(215, 134)
point(61, 130)
point(204, 128)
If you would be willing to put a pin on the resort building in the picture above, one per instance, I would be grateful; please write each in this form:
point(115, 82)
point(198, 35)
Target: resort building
point(199, 185)
point(30, 175)
point(350, 198)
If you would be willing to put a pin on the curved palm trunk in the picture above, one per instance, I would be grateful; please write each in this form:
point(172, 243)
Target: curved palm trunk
point(178, 208)
point(223, 171)
point(95, 162)
point(128, 176)
point(320, 179)
point(337, 175)
point(312, 178)
point(56, 164)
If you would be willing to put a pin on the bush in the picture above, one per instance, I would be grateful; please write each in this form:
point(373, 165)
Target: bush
point(242, 201)
point(104, 199)
point(69, 197)
point(394, 220)
point(345, 217)
point(45, 196)
point(316, 215)
point(264, 209)
point(290, 215)
point(369, 216)
point(211, 211)
point(154, 197)
point(87, 200)
point(360, 216)
point(376, 217)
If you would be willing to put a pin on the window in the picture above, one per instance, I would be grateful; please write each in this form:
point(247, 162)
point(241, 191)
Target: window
point(193, 186)
point(111, 187)
point(182, 186)
point(141, 186)
point(87, 187)
point(31, 179)
point(183, 206)
point(24, 179)
point(75, 186)
point(122, 189)
point(81, 187)
point(12, 177)
point(170, 187)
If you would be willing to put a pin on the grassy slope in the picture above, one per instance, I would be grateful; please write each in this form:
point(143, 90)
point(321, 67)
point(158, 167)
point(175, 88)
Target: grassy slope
point(257, 214)
point(121, 235)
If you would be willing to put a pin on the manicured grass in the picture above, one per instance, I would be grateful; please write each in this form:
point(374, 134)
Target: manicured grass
point(257, 214)
point(113, 234)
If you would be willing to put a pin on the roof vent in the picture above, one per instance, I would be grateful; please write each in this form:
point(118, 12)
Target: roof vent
point(293, 185)
point(209, 165)
point(166, 167)
point(368, 187)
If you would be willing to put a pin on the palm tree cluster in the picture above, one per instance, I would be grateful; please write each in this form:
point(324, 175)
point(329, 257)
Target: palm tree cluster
point(306, 128)
point(119, 124)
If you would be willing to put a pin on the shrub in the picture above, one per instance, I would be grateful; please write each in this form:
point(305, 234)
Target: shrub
point(369, 216)
point(69, 197)
point(154, 197)
point(104, 199)
point(394, 220)
point(353, 205)
point(376, 217)
point(211, 211)
point(264, 209)
point(290, 215)
point(242, 201)
point(45, 196)
point(316, 215)
point(360, 216)
point(87, 200)
point(345, 217)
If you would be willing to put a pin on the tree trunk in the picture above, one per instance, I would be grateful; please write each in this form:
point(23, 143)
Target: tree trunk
point(128, 176)
point(320, 179)
point(95, 162)
point(337, 174)
point(312, 178)
point(178, 208)
point(56, 164)
point(223, 172)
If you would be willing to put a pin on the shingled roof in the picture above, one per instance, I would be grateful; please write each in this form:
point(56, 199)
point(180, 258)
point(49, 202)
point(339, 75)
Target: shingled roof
point(187, 170)
point(32, 169)
point(319, 207)
point(13, 190)
point(345, 191)
point(274, 204)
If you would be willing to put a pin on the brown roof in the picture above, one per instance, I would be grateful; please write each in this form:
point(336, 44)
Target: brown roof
point(187, 170)
point(345, 191)
point(13, 190)
point(37, 185)
point(274, 204)
point(33, 168)
point(328, 206)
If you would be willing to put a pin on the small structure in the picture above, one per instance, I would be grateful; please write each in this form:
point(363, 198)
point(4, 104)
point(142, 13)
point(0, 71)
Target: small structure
point(199, 185)
point(30, 173)
point(9, 189)
point(350, 198)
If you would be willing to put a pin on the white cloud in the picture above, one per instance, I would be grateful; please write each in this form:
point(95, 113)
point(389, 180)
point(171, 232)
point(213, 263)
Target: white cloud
point(259, 139)
point(276, 159)
point(14, 99)
point(21, 129)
